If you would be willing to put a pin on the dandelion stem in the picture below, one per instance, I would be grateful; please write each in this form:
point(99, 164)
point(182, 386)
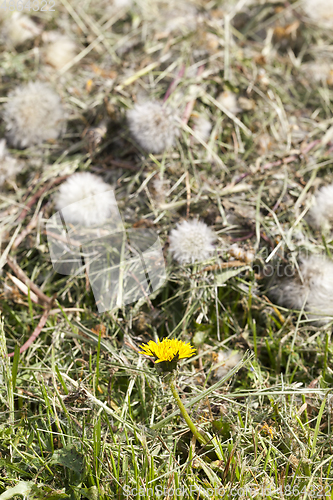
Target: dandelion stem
point(186, 416)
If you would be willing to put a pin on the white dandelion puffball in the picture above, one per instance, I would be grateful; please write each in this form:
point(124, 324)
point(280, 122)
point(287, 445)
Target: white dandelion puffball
point(320, 70)
point(229, 100)
point(202, 127)
point(320, 11)
point(320, 215)
point(87, 189)
point(160, 187)
point(153, 125)
point(60, 52)
point(191, 241)
point(18, 28)
point(9, 166)
point(315, 289)
point(33, 114)
point(119, 4)
point(227, 360)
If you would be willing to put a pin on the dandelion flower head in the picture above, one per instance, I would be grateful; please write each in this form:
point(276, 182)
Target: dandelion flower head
point(33, 114)
point(86, 199)
point(168, 350)
point(154, 126)
point(191, 241)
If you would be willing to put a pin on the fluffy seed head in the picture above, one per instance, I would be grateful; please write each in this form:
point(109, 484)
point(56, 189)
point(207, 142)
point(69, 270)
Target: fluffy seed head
point(160, 187)
point(229, 100)
point(18, 28)
point(9, 166)
point(320, 215)
point(85, 187)
point(192, 241)
point(227, 360)
point(320, 70)
point(202, 127)
point(33, 114)
point(153, 125)
point(314, 288)
point(320, 11)
point(122, 3)
point(60, 52)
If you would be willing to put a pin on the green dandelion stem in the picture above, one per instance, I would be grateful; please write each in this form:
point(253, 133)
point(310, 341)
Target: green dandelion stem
point(186, 416)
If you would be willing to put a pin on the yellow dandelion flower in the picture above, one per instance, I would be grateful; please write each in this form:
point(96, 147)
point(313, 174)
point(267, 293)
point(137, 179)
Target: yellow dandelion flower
point(168, 350)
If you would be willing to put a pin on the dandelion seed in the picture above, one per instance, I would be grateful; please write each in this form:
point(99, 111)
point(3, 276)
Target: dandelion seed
point(319, 11)
point(18, 28)
point(228, 360)
point(314, 288)
point(229, 100)
point(202, 127)
point(33, 114)
point(153, 125)
point(320, 215)
point(9, 166)
point(320, 70)
point(122, 3)
point(191, 241)
point(159, 189)
point(60, 52)
point(87, 189)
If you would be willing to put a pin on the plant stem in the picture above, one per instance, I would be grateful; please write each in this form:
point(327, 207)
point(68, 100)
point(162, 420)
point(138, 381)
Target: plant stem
point(186, 416)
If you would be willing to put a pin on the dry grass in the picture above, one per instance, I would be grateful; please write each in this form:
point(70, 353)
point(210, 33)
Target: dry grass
point(82, 414)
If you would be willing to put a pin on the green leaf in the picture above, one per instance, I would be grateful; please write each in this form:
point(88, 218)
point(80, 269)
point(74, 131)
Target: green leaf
point(230, 273)
point(68, 457)
point(44, 492)
point(90, 493)
point(22, 488)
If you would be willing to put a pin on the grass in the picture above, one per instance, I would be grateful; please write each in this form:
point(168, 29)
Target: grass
point(82, 414)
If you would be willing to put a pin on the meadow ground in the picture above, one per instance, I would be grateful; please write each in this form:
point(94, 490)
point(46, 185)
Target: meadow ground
point(83, 414)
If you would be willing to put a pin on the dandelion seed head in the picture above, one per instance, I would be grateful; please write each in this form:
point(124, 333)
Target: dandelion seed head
point(60, 52)
point(202, 127)
point(191, 241)
point(160, 186)
point(313, 288)
point(319, 11)
point(153, 125)
point(320, 70)
point(9, 166)
point(85, 188)
point(229, 100)
point(19, 28)
point(320, 215)
point(228, 360)
point(122, 3)
point(33, 114)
